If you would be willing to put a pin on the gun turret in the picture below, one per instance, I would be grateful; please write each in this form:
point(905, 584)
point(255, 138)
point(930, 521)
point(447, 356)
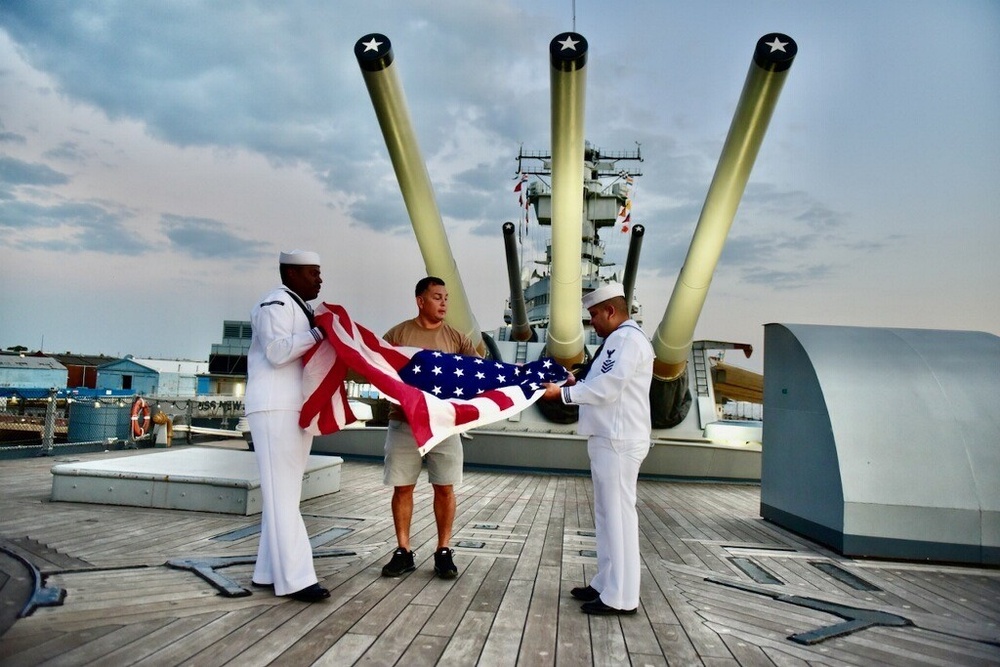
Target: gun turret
point(376, 59)
point(672, 342)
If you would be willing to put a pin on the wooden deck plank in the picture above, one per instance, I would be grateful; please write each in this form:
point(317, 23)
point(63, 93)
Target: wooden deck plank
point(767, 615)
point(493, 589)
point(934, 646)
point(467, 641)
point(746, 653)
point(304, 622)
point(538, 643)
point(705, 642)
point(607, 641)
point(53, 647)
point(675, 644)
point(345, 651)
point(783, 651)
point(393, 597)
point(573, 640)
point(780, 658)
point(331, 623)
point(424, 650)
point(508, 624)
point(457, 598)
point(213, 632)
point(886, 646)
point(639, 636)
point(391, 644)
point(952, 594)
point(247, 635)
point(173, 631)
point(531, 552)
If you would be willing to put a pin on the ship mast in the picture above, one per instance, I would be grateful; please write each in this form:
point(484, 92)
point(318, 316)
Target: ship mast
point(602, 202)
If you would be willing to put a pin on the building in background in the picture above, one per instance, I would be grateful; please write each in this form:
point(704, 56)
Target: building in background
point(227, 363)
point(20, 371)
point(81, 368)
point(152, 377)
point(128, 375)
point(176, 377)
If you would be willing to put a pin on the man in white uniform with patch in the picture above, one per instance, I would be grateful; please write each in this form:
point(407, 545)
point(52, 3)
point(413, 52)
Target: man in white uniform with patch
point(614, 413)
point(283, 331)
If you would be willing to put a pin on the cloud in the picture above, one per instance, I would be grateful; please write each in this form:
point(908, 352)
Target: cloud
point(788, 278)
point(68, 227)
point(202, 238)
point(14, 172)
point(69, 151)
point(12, 138)
point(282, 81)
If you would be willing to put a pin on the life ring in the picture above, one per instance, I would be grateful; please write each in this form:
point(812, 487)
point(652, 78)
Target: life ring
point(140, 417)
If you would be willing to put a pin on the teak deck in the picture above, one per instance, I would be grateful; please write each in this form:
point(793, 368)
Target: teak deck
point(719, 585)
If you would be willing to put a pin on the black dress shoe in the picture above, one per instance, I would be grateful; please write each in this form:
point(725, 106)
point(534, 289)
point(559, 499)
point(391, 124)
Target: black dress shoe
point(313, 593)
point(585, 593)
point(598, 607)
point(256, 585)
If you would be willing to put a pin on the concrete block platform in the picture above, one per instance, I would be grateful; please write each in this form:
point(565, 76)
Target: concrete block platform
point(200, 479)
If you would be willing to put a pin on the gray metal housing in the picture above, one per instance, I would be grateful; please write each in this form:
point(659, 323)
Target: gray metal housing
point(884, 442)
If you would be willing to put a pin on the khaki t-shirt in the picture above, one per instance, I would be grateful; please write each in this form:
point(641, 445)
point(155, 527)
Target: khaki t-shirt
point(445, 338)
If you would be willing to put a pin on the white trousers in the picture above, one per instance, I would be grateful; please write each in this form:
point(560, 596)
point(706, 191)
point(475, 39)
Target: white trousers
point(284, 556)
point(614, 468)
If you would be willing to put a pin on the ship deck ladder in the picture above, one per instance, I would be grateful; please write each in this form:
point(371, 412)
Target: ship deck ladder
point(521, 353)
point(701, 372)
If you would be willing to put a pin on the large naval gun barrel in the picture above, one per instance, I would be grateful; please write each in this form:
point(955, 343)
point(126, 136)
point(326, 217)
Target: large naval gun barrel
point(568, 58)
point(673, 339)
point(632, 263)
point(520, 330)
point(375, 56)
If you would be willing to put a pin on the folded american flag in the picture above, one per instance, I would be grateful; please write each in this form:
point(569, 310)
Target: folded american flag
point(442, 394)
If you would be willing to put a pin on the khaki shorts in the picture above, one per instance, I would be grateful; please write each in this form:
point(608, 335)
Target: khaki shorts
point(403, 461)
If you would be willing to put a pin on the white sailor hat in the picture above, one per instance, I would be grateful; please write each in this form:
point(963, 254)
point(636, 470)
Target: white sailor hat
point(300, 257)
point(602, 294)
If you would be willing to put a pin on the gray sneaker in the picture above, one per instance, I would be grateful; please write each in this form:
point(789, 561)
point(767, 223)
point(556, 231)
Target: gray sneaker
point(444, 566)
point(401, 563)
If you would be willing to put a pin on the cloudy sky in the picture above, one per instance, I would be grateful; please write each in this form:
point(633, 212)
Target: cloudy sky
point(155, 157)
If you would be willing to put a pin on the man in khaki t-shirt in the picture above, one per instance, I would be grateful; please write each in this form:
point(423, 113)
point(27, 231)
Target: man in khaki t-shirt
point(402, 459)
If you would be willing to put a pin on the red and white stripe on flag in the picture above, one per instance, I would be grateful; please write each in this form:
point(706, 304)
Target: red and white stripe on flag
point(350, 346)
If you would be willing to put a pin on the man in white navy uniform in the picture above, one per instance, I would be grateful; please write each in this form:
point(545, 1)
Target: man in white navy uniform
point(614, 413)
point(283, 331)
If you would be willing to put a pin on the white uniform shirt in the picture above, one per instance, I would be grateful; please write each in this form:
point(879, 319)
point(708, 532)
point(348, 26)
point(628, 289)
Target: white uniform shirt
point(282, 334)
point(614, 396)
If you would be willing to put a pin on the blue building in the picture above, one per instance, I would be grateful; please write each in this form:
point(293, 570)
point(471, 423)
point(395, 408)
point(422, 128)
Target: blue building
point(27, 372)
point(177, 377)
point(129, 375)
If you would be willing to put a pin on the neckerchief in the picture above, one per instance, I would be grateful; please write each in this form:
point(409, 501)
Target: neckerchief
point(304, 306)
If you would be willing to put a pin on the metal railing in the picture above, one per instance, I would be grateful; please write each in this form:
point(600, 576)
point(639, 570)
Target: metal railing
point(41, 422)
point(40, 419)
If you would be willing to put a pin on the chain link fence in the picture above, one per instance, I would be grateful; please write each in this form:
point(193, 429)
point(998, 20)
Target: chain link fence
point(42, 422)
